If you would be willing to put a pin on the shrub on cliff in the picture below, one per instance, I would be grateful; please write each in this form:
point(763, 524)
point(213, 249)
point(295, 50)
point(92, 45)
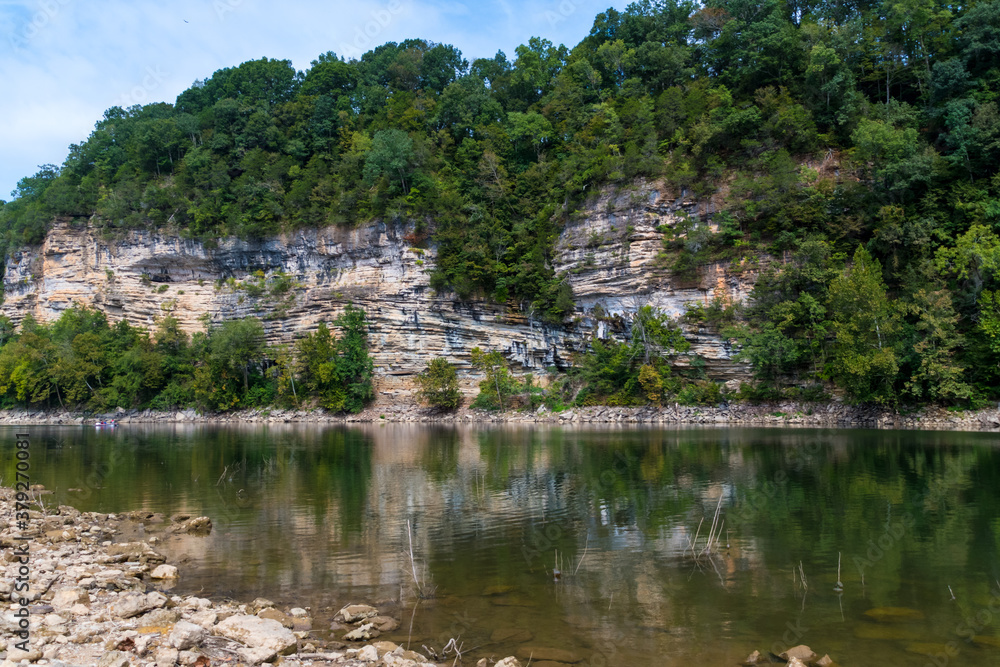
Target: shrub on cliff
point(439, 385)
point(498, 387)
point(338, 371)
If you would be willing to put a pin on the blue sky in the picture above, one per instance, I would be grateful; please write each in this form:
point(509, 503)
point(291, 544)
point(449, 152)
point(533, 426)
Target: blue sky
point(63, 62)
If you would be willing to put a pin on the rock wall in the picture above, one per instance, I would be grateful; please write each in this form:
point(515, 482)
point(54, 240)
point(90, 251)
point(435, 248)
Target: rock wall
point(609, 254)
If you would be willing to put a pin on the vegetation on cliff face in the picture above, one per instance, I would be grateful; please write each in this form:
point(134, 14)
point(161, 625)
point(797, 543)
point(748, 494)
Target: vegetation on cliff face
point(856, 141)
point(80, 361)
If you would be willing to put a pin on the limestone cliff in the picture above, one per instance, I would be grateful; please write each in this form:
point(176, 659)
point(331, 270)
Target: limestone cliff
point(609, 254)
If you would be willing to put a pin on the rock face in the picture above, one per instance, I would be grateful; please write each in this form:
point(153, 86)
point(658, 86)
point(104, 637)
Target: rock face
point(609, 255)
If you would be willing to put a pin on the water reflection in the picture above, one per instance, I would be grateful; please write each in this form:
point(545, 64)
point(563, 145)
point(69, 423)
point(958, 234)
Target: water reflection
point(318, 516)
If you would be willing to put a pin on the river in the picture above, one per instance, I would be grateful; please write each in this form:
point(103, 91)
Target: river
point(322, 516)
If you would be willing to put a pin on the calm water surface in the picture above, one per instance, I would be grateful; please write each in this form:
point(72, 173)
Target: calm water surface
point(317, 516)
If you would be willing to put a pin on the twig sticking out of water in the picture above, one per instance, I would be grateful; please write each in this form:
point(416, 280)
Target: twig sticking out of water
point(696, 534)
point(802, 576)
point(952, 592)
point(715, 521)
point(413, 565)
point(838, 587)
point(586, 546)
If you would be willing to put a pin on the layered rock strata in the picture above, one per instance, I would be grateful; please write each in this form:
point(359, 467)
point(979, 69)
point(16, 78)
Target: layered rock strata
point(610, 254)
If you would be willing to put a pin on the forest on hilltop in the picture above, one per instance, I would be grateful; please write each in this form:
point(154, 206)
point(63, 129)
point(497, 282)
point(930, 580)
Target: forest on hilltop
point(888, 285)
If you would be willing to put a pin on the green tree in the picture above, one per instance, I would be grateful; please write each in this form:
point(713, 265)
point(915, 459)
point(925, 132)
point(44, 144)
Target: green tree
point(391, 153)
point(498, 385)
point(438, 384)
point(866, 329)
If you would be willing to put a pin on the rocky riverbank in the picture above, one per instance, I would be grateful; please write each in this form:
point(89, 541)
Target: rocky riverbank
point(783, 414)
point(98, 598)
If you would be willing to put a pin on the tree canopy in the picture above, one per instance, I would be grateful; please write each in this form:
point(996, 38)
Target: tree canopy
point(818, 125)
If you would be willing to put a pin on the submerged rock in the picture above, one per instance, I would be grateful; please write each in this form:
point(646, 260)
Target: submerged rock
point(894, 614)
point(512, 635)
point(355, 612)
point(800, 652)
point(539, 653)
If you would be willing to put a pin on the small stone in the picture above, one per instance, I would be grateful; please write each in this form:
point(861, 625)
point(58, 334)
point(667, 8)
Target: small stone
point(753, 658)
point(368, 654)
point(113, 659)
point(825, 661)
point(166, 657)
point(159, 618)
point(509, 662)
point(298, 612)
point(260, 603)
point(802, 652)
point(16, 655)
point(384, 647)
point(362, 633)
point(256, 655)
point(205, 619)
point(384, 623)
point(164, 572)
point(186, 635)
point(68, 597)
point(276, 615)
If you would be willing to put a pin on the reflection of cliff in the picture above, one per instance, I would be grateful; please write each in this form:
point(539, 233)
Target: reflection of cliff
point(317, 516)
point(610, 256)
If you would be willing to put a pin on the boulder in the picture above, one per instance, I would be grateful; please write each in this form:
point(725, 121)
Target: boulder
point(509, 662)
point(368, 654)
point(255, 632)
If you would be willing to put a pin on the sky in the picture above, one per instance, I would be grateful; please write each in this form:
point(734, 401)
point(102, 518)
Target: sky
point(64, 62)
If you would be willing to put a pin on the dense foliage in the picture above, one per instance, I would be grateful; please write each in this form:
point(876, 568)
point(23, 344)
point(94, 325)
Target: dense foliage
point(825, 126)
point(438, 385)
point(81, 361)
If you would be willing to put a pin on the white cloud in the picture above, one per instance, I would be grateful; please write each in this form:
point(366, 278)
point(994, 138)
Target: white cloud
point(65, 61)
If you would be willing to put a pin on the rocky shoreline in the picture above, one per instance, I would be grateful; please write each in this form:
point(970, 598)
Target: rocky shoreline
point(783, 414)
point(96, 600)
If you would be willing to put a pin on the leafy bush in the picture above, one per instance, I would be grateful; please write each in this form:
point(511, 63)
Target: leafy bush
point(439, 385)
